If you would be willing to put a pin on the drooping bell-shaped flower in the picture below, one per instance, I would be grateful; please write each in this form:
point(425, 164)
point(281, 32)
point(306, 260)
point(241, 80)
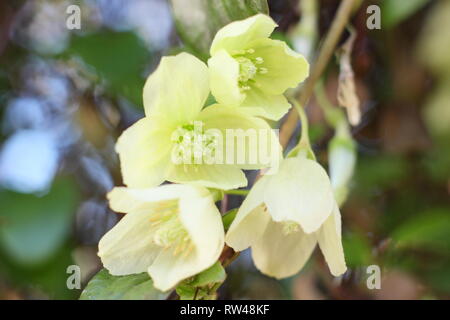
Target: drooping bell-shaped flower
point(342, 161)
point(285, 215)
point(179, 142)
point(250, 70)
point(172, 232)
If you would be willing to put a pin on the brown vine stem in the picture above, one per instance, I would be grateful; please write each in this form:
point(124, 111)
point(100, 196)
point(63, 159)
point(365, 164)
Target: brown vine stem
point(325, 53)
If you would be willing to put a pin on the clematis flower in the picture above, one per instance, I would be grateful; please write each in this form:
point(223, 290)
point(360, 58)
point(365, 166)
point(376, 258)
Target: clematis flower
point(176, 128)
point(285, 215)
point(249, 70)
point(172, 232)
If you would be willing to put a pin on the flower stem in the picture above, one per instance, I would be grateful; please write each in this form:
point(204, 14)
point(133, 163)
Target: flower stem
point(304, 139)
point(238, 192)
point(325, 53)
point(303, 148)
point(333, 115)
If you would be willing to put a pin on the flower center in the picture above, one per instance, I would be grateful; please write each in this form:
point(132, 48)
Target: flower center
point(170, 233)
point(290, 227)
point(193, 145)
point(249, 67)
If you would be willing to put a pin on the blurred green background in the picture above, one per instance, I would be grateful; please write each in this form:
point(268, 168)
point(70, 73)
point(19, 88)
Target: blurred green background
point(66, 95)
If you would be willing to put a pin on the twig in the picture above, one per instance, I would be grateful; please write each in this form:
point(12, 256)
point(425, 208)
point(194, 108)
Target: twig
point(325, 53)
point(196, 293)
point(224, 204)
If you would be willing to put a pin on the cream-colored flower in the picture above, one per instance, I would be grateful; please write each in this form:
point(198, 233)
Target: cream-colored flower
point(172, 232)
point(285, 215)
point(249, 70)
point(175, 124)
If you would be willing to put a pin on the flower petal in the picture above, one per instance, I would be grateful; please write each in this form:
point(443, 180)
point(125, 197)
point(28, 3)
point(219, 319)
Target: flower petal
point(329, 238)
point(342, 160)
point(179, 88)
point(224, 74)
point(128, 200)
point(300, 191)
point(279, 255)
point(128, 247)
point(144, 152)
point(251, 220)
point(285, 67)
point(202, 220)
point(238, 34)
point(258, 103)
point(169, 269)
point(247, 142)
point(224, 177)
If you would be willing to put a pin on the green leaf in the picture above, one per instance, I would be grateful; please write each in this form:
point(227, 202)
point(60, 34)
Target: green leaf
point(436, 162)
point(119, 58)
point(33, 228)
point(215, 274)
point(439, 277)
point(380, 172)
point(49, 278)
point(428, 230)
point(197, 21)
point(395, 11)
point(104, 286)
point(357, 250)
point(228, 218)
point(204, 285)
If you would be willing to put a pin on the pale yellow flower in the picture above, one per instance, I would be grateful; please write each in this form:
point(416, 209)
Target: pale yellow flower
point(250, 70)
point(285, 215)
point(174, 96)
point(172, 232)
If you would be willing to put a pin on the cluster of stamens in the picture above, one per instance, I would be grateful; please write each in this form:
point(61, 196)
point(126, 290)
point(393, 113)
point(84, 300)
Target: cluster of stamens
point(193, 145)
point(249, 67)
point(170, 233)
point(290, 227)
